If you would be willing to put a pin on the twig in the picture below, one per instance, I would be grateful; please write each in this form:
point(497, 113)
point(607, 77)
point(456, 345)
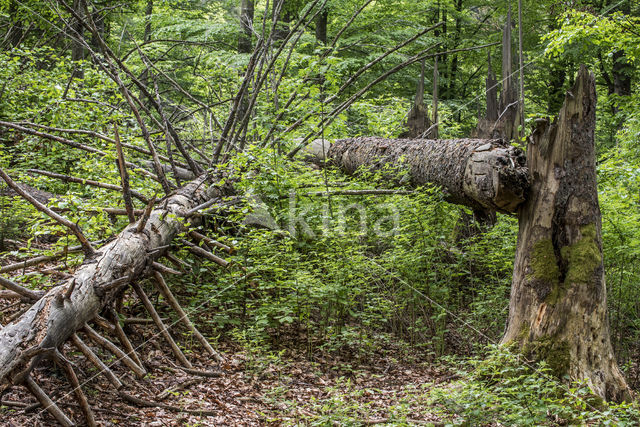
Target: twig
point(152, 404)
point(90, 182)
point(122, 337)
point(121, 355)
point(86, 246)
point(21, 290)
point(74, 144)
point(210, 241)
point(164, 269)
point(197, 250)
point(145, 216)
point(62, 361)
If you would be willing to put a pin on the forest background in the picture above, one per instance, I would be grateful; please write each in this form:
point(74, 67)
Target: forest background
point(333, 277)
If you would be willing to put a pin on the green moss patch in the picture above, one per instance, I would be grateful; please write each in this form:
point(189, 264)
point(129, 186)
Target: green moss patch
point(555, 353)
point(583, 257)
point(543, 262)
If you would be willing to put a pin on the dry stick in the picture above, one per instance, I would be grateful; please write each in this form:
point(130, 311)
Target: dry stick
point(31, 262)
point(163, 329)
point(353, 77)
point(99, 136)
point(345, 104)
point(358, 192)
point(91, 356)
point(167, 135)
point(521, 64)
point(121, 355)
point(140, 320)
point(348, 24)
point(206, 374)
point(86, 246)
point(47, 403)
point(109, 53)
point(200, 207)
point(62, 361)
point(238, 99)
point(152, 404)
point(124, 340)
point(161, 285)
point(337, 110)
point(262, 51)
point(126, 93)
point(146, 215)
point(284, 110)
point(22, 291)
point(362, 70)
point(83, 181)
point(198, 236)
point(13, 295)
point(124, 177)
point(73, 144)
point(272, 62)
point(120, 211)
point(177, 261)
point(197, 250)
point(178, 387)
point(164, 269)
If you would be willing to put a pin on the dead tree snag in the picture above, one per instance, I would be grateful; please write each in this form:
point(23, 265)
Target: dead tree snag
point(558, 309)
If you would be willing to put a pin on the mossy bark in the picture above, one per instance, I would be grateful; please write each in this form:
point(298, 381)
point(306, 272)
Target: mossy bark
point(558, 307)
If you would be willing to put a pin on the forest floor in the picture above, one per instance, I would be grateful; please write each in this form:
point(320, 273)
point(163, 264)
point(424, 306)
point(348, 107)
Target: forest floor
point(252, 389)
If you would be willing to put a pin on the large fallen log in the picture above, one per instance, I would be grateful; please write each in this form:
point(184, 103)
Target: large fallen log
point(484, 174)
point(66, 308)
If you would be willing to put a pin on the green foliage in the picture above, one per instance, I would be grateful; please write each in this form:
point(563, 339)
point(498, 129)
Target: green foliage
point(504, 388)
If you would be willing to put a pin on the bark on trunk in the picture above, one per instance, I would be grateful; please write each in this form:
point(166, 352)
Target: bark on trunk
point(246, 24)
point(558, 309)
point(483, 174)
point(57, 315)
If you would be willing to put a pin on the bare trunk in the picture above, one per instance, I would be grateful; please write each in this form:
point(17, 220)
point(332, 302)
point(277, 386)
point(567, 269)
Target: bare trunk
point(483, 174)
point(246, 24)
point(558, 309)
point(321, 26)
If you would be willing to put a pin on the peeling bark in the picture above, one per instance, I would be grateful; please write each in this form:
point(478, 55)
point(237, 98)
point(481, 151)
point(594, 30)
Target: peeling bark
point(58, 315)
point(558, 308)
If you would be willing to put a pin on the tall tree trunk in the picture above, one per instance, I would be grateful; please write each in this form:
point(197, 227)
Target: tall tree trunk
point(558, 309)
point(16, 29)
point(246, 25)
point(321, 26)
point(147, 20)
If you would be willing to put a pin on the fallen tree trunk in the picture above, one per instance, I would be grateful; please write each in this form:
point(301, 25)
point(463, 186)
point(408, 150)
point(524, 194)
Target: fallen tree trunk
point(67, 307)
point(484, 174)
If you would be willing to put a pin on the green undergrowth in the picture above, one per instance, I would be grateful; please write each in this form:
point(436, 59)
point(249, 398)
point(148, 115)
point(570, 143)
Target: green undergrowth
point(503, 388)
